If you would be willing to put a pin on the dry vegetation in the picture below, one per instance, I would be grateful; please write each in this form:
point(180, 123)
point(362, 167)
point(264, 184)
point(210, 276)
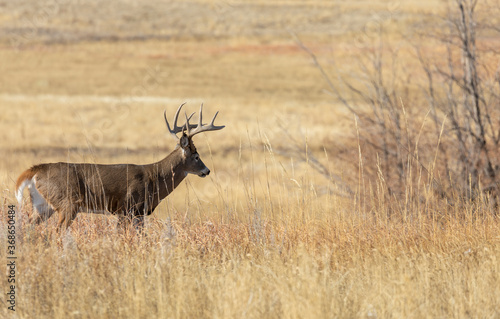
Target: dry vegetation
point(302, 216)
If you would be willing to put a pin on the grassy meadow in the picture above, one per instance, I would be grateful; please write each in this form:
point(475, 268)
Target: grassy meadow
point(299, 218)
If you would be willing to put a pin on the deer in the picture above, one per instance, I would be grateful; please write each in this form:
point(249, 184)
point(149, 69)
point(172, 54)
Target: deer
point(129, 191)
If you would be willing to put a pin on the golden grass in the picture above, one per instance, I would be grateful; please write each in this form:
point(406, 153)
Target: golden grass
point(266, 260)
point(265, 235)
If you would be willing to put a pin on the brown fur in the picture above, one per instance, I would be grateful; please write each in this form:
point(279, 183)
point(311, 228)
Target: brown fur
point(27, 174)
point(127, 190)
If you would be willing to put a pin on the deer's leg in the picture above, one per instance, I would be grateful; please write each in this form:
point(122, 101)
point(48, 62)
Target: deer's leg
point(129, 219)
point(139, 222)
point(43, 215)
point(66, 217)
point(123, 222)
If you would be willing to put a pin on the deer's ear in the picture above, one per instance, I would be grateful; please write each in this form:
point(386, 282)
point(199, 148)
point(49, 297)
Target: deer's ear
point(184, 142)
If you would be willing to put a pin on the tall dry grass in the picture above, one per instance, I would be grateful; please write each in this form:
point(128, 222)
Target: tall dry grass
point(282, 250)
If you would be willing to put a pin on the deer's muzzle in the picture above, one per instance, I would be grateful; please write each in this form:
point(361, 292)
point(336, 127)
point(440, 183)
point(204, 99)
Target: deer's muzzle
point(204, 173)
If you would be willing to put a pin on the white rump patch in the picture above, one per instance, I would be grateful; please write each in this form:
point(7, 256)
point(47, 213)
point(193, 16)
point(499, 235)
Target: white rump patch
point(39, 202)
point(19, 191)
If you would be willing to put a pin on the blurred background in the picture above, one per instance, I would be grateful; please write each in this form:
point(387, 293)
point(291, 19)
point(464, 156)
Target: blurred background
point(319, 88)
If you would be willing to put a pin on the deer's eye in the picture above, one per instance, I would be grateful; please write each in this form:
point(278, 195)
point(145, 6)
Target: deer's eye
point(196, 157)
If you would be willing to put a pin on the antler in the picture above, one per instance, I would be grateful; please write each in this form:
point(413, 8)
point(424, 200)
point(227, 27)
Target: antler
point(176, 128)
point(200, 127)
point(192, 129)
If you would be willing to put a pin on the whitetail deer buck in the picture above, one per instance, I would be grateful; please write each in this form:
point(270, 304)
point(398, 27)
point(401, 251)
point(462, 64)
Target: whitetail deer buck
point(127, 190)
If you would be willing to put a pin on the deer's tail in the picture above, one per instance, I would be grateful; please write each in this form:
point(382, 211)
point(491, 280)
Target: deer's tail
point(25, 179)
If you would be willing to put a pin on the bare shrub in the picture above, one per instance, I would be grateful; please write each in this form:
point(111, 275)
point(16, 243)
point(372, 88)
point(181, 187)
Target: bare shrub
point(464, 90)
point(457, 155)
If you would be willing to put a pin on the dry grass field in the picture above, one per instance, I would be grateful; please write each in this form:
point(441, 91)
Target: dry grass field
point(298, 218)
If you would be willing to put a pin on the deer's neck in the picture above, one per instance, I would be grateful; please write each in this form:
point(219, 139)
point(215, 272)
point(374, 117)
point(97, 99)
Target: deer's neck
point(167, 174)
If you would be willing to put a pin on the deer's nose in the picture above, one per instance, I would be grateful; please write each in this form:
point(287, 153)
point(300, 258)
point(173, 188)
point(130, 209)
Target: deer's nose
point(204, 172)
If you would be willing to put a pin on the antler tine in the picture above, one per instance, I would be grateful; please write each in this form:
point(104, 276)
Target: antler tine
point(172, 132)
point(176, 129)
point(205, 128)
point(188, 126)
point(213, 120)
point(201, 115)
